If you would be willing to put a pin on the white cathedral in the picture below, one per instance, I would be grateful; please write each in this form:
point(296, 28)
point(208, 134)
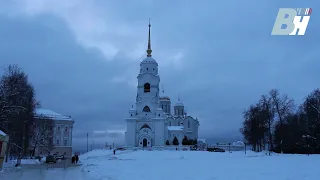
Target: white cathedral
point(151, 122)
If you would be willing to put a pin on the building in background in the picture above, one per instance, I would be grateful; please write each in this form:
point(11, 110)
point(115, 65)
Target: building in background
point(150, 122)
point(4, 140)
point(52, 134)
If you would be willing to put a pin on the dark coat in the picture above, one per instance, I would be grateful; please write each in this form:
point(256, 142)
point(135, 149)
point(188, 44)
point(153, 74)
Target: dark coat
point(73, 159)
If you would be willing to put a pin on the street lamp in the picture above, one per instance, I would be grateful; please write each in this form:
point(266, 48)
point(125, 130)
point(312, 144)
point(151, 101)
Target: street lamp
point(269, 148)
point(245, 147)
point(88, 142)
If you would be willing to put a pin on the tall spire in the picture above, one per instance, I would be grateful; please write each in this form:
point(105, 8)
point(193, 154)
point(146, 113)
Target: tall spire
point(149, 51)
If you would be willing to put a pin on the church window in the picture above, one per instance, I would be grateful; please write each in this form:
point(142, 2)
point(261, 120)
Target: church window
point(131, 114)
point(162, 106)
point(146, 109)
point(188, 124)
point(145, 126)
point(159, 115)
point(153, 69)
point(147, 69)
point(146, 87)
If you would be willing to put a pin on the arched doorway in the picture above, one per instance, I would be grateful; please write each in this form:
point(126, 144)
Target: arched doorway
point(145, 142)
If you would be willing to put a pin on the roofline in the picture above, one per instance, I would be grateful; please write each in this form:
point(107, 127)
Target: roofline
point(53, 119)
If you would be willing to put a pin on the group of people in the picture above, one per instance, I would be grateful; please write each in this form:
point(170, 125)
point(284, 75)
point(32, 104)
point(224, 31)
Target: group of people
point(75, 159)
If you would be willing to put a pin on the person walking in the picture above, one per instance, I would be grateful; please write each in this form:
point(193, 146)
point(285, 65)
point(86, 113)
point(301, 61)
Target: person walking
point(77, 159)
point(73, 159)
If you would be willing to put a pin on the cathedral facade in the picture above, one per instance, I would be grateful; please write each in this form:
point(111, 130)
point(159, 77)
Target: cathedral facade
point(151, 122)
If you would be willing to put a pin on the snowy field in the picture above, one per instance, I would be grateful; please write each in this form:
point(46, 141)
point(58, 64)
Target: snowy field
point(180, 165)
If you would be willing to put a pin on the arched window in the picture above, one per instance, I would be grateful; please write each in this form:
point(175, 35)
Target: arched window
point(146, 87)
point(146, 109)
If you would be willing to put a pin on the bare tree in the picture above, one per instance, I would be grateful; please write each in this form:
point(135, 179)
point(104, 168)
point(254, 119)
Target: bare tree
point(283, 106)
point(43, 135)
point(266, 103)
point(311, 107)
point(254, 126)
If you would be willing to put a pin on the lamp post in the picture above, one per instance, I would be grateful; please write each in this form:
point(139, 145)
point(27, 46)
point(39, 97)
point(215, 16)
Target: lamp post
point(87, 142)
point(269, 148)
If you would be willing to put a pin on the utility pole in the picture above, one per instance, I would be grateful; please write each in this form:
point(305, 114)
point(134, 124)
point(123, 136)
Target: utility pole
point(87, 142)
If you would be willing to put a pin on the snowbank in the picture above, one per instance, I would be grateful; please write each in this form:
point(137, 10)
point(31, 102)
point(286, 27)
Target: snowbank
point(181, 165)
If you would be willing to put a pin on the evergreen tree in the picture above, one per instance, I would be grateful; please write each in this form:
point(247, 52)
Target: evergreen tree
point(185, 141)
point(175, 141)
point(167, 143)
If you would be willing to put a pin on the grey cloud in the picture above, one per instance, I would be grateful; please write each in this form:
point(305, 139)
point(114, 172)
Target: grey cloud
point(230, 59)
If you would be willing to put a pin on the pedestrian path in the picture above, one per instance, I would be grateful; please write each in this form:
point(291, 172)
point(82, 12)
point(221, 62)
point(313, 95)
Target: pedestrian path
point(74, 173)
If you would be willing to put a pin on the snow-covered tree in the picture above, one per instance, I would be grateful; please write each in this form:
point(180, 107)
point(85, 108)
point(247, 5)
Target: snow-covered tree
point(17, 104)
point(43, 135)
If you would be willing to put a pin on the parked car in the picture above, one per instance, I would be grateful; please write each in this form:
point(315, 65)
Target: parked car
point(219, 150)
point(214, 149)
point(51, 159)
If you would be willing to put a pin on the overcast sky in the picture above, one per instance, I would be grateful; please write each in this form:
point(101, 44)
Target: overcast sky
point(82, 56)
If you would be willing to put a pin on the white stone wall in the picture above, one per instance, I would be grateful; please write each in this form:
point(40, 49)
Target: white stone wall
point(61, 134)
point(150, 99)
point(131, 133)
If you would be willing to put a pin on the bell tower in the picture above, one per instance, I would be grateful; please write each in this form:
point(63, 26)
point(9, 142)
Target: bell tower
point(147, 100)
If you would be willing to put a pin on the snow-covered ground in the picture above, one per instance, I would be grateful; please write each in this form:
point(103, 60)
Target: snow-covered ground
point(182, 165)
